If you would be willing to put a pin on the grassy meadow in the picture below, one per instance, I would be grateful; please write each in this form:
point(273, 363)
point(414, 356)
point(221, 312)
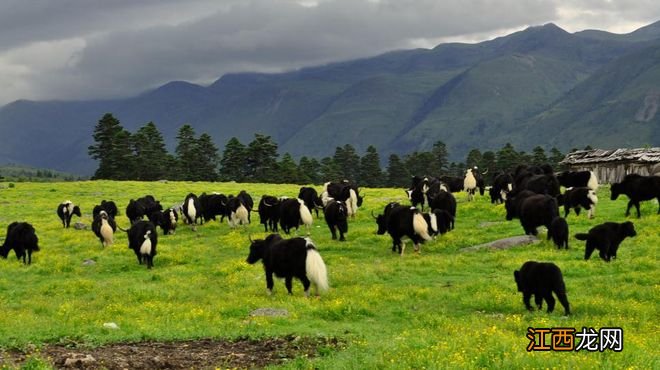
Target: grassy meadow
point(442, 308)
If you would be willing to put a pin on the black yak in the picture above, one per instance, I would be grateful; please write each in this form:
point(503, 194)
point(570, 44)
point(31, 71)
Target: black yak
point(22, 238)
point(638, 188)
point(541, 279)
point(606, 238)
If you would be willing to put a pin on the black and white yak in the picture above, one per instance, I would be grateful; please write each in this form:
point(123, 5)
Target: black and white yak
point(247, 202)
point(142, 239)
point(269, 212)
point(345, 192)
point(578, 179)
point(22, 238)
point(336, 216)
point(104, 228)
point(311, 198)
point(502, 186)
point(578, 198)
point(237, 212)
point(288, 259)
point(606, 237)
point(192, 210)
point(404, 221)
point(454, 184)
point(293, 213)
point(638, 188)
point(66, 210)
point(443, 200)
point(167, 220)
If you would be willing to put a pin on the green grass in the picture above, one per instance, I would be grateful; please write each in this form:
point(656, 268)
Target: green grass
point(439, 309)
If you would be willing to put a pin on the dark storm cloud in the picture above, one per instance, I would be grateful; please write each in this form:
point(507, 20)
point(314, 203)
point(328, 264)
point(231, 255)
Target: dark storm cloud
point(74, 49)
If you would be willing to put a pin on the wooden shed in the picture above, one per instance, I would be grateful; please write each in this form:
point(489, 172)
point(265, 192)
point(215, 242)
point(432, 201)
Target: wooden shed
point(612, 165)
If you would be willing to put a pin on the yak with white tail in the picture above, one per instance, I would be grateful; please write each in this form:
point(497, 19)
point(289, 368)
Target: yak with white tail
point(404, 221)
point(289, 258)
point(142, 239)
point(293, 213)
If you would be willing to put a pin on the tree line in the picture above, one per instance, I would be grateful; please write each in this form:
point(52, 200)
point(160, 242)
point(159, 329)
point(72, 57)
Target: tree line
point(143, 156)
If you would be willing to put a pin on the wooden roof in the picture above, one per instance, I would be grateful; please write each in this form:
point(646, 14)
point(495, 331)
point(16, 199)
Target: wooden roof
point(638, 155)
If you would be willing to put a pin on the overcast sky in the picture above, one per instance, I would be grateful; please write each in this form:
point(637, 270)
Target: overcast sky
point(87, 49)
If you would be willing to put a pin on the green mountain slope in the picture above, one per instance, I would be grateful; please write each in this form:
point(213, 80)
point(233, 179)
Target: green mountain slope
point(533, 87)
point(615, 107)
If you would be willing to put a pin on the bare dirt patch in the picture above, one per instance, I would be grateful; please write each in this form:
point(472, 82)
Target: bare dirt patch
point(191, 354)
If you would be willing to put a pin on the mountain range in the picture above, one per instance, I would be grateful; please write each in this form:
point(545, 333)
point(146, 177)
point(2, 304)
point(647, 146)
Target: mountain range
point(540, 86)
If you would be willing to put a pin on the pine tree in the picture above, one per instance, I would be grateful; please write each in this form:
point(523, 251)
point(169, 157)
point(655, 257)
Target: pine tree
point(555, 157)
point(474, 158)
point(348, 162)
point(105, 135)
point(123, 152)
point(329, 170)
point(262, 159)
point(371, 175)
point(207, 159)
point(233, 164)
point(309, 170)
point(397, 173)
point(186, 153)
point(288, 171)
point(507, 158)
point(440, 154)
point(538, 156)
point(151, 157)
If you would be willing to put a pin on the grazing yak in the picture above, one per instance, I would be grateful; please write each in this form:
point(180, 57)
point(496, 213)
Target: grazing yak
point(104, 228)
point(470, 183)
point(142, 239)
point(213, 205)
point(558, 232)
point(606, 237)
point(289, 258)
point(167, 220)
point(541, 279)
point(638, 188)
point(513, 203)
point(578, 198)
point(237, 212)
point(66, 210)
point(444, 200)
point(537, 210)
point(578, 179)
point(247, 202)
point(439, 222)
point(293, 213)
point(502, 186)
point(336, 216)
point(269, 212)
point(346, 192)
point(192, 210)
point(311, 199)
point(145, 206)
point(108, 206)
point(22, 238)
point(454, 184)
point(404, 221)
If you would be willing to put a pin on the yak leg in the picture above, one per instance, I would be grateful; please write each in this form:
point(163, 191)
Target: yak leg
point(288, 281)
point(269, 281)
point(538, 299)
point(526, 297)
point(550, 300)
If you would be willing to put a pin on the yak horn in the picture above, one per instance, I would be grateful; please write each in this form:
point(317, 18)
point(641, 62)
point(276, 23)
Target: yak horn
point(372, 215)
point(483, 173)
point(250, 238)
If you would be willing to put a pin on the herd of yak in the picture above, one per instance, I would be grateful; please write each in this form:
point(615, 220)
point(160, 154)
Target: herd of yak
point(529, 193)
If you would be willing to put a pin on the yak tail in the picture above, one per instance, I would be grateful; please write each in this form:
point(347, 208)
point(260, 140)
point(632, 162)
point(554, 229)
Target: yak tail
point(241, 215)
point(581, 236)
point(315, 268)
point(353, 201)
point(593, 181)
point(305, 214)
point(420, 226)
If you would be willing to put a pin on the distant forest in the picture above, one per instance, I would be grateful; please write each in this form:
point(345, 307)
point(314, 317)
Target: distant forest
point(143, 156)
